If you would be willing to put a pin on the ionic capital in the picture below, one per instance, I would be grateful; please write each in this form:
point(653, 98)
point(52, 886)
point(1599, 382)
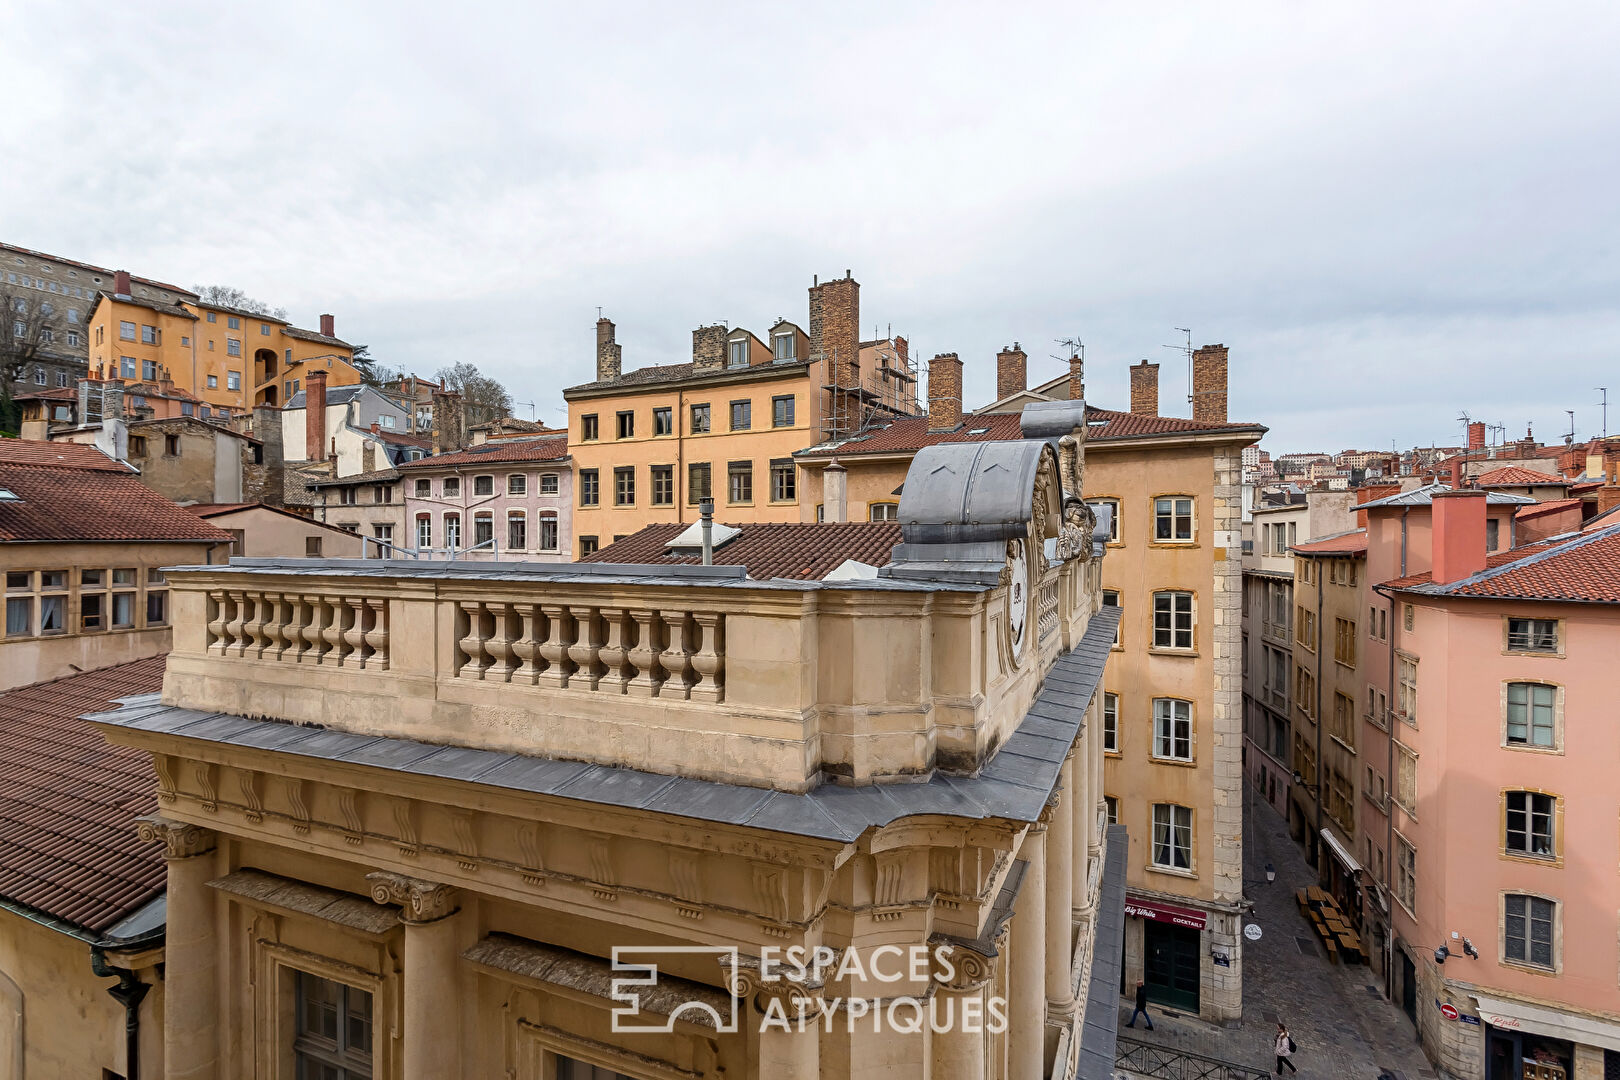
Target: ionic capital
point(181, 839)
point(960, 969)
point(798, 999)
point(419, 901)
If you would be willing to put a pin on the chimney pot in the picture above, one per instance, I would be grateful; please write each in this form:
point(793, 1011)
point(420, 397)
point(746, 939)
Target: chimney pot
point(609, 356)
point(1145, 389)
point(328, 326)
point(945, 393)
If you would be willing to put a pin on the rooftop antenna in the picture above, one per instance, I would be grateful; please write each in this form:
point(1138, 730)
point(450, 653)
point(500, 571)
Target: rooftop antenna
point(598, 311)
point(1570, 438)
point(1604, 390)
point(1188, 350)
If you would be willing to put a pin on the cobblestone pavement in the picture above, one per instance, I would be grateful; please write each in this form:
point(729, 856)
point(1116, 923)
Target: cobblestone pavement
point(1343, 1025)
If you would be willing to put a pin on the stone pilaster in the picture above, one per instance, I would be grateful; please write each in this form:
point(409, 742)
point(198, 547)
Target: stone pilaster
point(431, 1044)
point(191, 989)
point(958, 1045)
point(1026, 998)
point(1059, 898)
point(786, 1015)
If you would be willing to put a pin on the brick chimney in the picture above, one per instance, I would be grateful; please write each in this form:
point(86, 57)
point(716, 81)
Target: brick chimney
point(446, 421)
point(315, 416)
point(835, 336)
point(1209, 384)
point(609, 358)
point(1459, 534)
point(328, 326)
point(1077, 378)
point(945, 393)
point(121, 283)
point(1457, 473)
point(709, 348)
point(1608, 496)
point(1476, 435)
point(1012, 372)
point(1145, 389)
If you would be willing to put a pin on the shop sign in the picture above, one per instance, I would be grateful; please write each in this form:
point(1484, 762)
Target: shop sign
point(1165, 913)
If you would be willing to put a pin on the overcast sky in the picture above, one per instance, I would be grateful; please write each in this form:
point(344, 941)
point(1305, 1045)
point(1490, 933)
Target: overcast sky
point(1389, 214)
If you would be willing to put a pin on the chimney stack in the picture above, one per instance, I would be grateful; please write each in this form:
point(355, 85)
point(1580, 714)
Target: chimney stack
point(1457, 473)
point(1459, 535)
point(609, 358)
point(121, 283)
point(709, 348)
point(1145, 389)
point(1012, 372)
point(1476, 435)
point(945, 393)
point(315, 416)
point(1077, 378)
point(835, 339)
point(446, 421)
point(835, 493)
point(328, 326)
point(1209, 384)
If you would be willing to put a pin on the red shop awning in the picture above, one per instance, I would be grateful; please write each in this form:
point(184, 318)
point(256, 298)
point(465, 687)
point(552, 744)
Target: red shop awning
point(1167, 913)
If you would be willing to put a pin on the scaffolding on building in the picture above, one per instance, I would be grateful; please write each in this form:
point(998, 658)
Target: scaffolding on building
point(879, 387)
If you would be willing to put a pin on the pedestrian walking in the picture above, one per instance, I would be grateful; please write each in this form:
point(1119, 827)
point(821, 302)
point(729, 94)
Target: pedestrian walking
point(1141, 1006)
point(1284, 1048)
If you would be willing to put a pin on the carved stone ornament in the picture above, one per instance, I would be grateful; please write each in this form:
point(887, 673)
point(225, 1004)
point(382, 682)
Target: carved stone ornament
point(181, 839)
point(1074, 539)
point(420, 901)
point(799, 999)
point(964, 970)
point(1017, 581)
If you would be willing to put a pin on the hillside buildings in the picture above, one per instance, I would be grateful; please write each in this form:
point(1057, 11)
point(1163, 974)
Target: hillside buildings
point(432, 800)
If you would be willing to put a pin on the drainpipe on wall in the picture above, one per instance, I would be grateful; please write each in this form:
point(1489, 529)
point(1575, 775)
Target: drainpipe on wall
point(128, 993)
point(1389, 781)
point(1321, 647)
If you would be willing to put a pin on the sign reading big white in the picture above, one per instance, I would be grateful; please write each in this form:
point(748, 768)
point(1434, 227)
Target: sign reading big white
point(1165, 913)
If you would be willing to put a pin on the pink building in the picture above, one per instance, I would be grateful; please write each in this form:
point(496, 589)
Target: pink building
point(509, 499)
point(1502, 808)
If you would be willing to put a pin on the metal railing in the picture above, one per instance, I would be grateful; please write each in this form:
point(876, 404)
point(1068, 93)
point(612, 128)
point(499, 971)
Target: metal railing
point(1170, 1063)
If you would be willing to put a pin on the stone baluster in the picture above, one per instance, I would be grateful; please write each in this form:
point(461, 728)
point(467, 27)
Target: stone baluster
point(499, 645)
point(354, 633)
point(644, 656)
point(527, 646)
point(586, 649)
point(376, 634)
point(311, 631)
point(332, 633)
point(554, 649)
point(270, 644)
point(235, 640)
point(475, 661)
point(253, 629)
point(217, 616)
point(292, 627)
point(708, 660)
point(614, 652)
point(676, 659)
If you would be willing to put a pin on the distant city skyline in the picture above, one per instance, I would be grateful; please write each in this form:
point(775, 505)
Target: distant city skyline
point(1381, 243)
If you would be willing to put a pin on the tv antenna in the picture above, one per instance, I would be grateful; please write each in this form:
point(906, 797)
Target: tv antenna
point(1187, 349)
point(1570, 438)
point(1604, 390)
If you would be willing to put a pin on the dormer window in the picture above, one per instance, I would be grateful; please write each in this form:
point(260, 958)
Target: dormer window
point(782, 346)
point(737, 353)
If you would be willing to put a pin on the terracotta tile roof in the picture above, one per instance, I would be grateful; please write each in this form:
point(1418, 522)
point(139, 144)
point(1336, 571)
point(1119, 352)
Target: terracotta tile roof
point(399, 438)
point(673, 373)
point(61, 455)
point(174, 309)
point(300, 334)
point(61, 393)
point(69, 799)
point(808, 551)
point(1581, 568)
point(1515, 476)
point(1353, 542)
point(85, 496)
point(911, 433)
point(1549, 507)
point(507, 451)
point(375, 476)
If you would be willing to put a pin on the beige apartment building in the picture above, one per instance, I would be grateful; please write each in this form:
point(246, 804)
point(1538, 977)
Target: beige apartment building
point(413, 814)
point(1173, 702)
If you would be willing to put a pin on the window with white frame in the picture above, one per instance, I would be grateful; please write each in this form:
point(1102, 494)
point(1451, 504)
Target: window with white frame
point(1173, 519)
point(483, 528)
point(483, 485)
point(1111, 722)
point(424, 489)
point(1527, 930)
point(452, 530)
point(1172, 620)
point(1111, 507)
point(424, 532)
point(548, 483)
point(517, 483)
point(548, 532)
point(1172, 836)
point(517, 531)
point(1532, 715)
point(1172, 729)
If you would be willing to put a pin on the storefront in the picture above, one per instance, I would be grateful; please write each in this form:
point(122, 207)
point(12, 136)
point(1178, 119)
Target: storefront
point(1339, 874)
point(1172, 951)
point(1536, 1042)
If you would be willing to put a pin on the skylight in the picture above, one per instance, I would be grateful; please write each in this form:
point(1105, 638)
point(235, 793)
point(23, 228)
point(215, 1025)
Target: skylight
point(7, 495)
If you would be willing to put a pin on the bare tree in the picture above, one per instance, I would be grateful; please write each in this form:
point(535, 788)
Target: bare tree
point(29, 328)
point(232, 297)
point(484, 399)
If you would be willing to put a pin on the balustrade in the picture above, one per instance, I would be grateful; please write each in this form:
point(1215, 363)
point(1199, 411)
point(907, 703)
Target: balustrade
point(638, 652)
point(289, 627)
point(1046, 606)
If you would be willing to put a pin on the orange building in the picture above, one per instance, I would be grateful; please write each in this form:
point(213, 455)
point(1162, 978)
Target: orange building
point(649, 443)
point(230, 359)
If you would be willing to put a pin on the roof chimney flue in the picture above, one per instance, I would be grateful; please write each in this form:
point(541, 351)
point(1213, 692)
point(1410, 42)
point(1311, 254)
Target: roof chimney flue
point(945, 393)
point(1012, 371)
point(121, 283)
point(1145, 389)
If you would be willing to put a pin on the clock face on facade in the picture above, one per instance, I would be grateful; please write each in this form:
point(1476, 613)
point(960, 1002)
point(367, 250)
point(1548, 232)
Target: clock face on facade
point(1018, 598)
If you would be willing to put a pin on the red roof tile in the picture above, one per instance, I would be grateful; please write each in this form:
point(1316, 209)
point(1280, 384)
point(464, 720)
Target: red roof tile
point(808, 551)
point(1348, 543)
point(69, 492)
point(1583, 568)
point(1548, 507)
point(69, 799)
point(910, 434)
point(1515, 476)
point(506, 451)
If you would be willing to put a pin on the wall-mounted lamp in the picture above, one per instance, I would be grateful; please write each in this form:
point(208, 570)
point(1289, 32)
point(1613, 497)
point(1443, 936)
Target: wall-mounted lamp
point(1271, 873)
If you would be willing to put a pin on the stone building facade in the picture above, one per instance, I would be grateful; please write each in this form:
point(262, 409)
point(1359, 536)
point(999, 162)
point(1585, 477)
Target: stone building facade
point(449, 805)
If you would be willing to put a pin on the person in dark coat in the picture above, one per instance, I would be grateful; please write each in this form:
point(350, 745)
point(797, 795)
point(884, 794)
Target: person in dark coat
point(1141, 1006)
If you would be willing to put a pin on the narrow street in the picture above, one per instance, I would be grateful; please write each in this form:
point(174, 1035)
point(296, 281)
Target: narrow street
point(1344, 1027)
